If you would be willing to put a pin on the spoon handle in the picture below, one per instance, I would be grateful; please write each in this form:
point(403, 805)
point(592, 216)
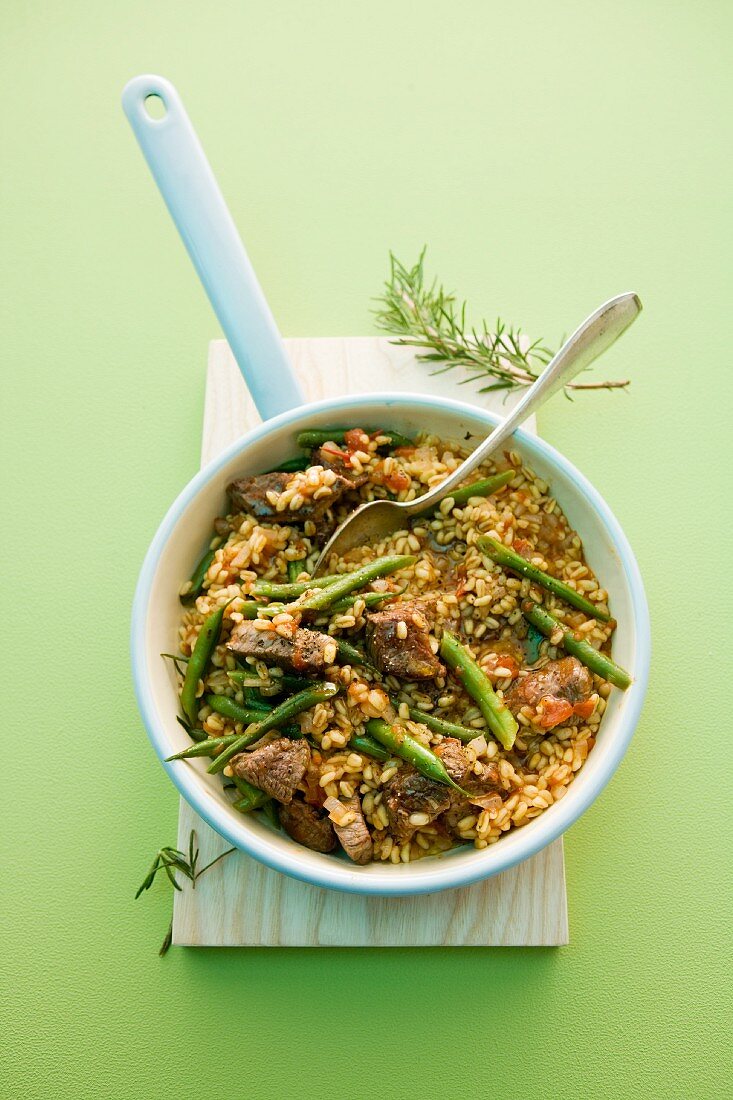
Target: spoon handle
point(594, 336)
point(187, 183)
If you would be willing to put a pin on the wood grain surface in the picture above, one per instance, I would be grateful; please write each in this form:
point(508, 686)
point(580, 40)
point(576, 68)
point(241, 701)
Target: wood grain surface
point(242, 903)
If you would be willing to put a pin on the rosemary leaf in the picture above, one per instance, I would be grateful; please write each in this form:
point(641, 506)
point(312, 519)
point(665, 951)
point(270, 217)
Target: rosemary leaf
point(172, 860)
point(427, 317)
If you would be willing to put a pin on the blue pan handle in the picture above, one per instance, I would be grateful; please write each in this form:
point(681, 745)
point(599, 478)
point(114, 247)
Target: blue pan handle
point(186, 182)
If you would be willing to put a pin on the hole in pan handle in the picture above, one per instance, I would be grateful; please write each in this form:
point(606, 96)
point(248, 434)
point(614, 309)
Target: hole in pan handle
point(188, 186)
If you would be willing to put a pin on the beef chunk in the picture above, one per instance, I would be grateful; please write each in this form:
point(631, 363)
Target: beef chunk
point(305, 824)
point(332, 457)
point(409, 658)
point(457, 765)
point(409, 792)
point(355, 838)
point(560, 691)
point(249, 494)
point(302, 654)
point(276, 769)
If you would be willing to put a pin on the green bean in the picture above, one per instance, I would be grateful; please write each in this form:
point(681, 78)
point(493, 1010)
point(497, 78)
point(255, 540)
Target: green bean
point(253, 698)
point(499, 718)
point(291, 591)
point(349, 582)
point(198, 576)
point(532, 644)
point(244, 680)
point(597, 662)
point(361, 742)
point(193, 733)
point(439, 725)
point(249, 609)
point(510, 559)
point(350, 655)
point(371, 599)
point(204, 748)
point(401, 744)
point(315, 437)
point(196, 667)
point(270, 810)
point(294, 570)
point(224, 704)
point(291, 465)
point(282, 713)
point(483, 488)
point(253, 798)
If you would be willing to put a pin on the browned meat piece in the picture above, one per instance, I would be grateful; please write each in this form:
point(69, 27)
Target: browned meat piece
point(276, 769)
point(303, 654)
point(451, 752)
point(332, 457)
point(480, 786)
point(562, 687)
point(249, 494)
point(309, 827)
point(355, 838)
point(409, 658)
point(409, 792)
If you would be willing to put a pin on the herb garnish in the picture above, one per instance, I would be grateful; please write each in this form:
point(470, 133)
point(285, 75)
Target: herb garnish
point(171, 860)
point(422, 316)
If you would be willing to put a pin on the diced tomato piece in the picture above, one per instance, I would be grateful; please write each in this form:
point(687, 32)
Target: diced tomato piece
point(397, 481)
point(584, 709)
point(405, 452)
point(554, 711)
point(356, 439)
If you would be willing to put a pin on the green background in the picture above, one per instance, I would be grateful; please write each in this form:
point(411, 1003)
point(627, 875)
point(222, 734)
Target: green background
point(551, 155)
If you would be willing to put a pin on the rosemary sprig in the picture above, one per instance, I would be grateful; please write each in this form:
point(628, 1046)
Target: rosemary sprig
point(171, 860)
point(427, 316)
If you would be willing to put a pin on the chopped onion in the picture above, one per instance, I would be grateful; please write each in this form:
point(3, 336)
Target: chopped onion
point(491, 801)
point(336, 811)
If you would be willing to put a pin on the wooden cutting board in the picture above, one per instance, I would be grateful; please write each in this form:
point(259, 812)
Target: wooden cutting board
point(239, 902)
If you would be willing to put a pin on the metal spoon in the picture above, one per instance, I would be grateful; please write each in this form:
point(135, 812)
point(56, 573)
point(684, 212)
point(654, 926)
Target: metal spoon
point(377, 518)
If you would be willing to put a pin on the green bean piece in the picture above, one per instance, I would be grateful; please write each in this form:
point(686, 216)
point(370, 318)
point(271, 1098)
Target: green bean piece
point(439, 725)
point(594, 660)
point(349, 582)
point(499, 718)
point(371, 599)
point(483, 488)
point(515, 563)
point(287, 681)
point(532, 644)
point(196, 667)
point(249, 609)
point(272, 812)
point(361, 742)
point(401, 744)
point(204, 748)
point(317, 437)
point(252, 797)
point(224, 704)
point(291, 465)
point(289, 708)
point(291, 591)
point(193, 733)
point(349, 655)
point(199, 574)
point(295, 568)
point(253, 698)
